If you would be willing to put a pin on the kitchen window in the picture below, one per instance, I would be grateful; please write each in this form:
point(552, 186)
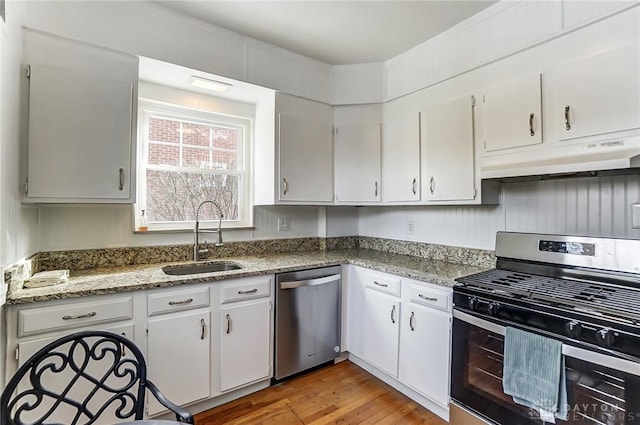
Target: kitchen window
point(189, 155)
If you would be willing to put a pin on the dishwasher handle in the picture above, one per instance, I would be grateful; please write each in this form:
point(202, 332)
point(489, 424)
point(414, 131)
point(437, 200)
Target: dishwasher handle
point(310, 282)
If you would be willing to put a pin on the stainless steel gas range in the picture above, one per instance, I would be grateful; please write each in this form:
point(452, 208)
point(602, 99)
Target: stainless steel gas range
point(581, 291)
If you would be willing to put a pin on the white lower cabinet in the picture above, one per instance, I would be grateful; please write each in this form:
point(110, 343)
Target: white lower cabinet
point(424, 354)
point(245, 343)
point(200, 341)
point(179, 357)
point(403, 330)
point(380, 334)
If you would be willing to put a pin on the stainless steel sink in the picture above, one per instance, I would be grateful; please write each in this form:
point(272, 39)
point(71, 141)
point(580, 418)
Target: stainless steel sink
point(198, 268)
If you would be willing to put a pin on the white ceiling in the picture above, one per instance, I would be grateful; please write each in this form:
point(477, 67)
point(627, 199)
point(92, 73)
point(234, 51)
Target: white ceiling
point(335, 32)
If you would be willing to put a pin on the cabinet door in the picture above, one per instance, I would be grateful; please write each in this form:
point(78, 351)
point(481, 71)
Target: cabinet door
point(381, 329)
point(64, 413)
point(513, 114)
point(357, 162)
point(244, 344)
point(178, 358)
point(305, 153)
point(447, 151)
point(598, 94)
point(424, 351)
point(80, 136)
point(401, 152)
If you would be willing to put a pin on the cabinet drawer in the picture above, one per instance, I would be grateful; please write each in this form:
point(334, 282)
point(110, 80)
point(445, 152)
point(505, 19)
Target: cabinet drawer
point(430, 296)
point(166, 302)
point(383, 283)
point(44, 319)
point(246, 289)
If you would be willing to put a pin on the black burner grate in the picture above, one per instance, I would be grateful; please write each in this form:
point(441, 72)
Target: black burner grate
point(576, 294)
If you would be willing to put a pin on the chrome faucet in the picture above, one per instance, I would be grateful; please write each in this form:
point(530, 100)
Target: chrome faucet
point(197, 252)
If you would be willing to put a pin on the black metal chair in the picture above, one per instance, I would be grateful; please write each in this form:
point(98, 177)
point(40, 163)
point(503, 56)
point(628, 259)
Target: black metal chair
point(85, 375)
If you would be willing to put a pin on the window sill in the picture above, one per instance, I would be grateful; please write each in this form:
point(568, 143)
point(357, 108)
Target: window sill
point(161, 231)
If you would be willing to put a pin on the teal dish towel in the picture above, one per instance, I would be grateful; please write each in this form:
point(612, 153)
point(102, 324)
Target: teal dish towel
point(533, 373)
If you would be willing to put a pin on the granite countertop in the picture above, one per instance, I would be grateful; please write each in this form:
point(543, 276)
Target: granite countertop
point(133, 278)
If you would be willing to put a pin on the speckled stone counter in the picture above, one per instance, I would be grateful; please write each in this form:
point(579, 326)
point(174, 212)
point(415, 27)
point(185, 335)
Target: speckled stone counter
point(108, 280)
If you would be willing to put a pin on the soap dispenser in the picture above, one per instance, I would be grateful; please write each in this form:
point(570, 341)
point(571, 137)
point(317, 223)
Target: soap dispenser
point(143, 224)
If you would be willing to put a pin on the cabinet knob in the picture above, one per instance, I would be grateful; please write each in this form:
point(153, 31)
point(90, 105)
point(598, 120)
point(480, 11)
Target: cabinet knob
point(567, 122)
point(393, 314)
point(411, 318)
point(228, 324)
point(286, 186)
point(376, 188)
point(432, 185)
point(413, 186)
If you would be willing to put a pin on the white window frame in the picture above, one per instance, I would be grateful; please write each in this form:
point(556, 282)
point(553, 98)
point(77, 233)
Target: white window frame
point(150, 107)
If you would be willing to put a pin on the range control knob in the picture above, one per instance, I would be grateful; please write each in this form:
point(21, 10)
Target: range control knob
point(473, 303)
point(573, 328)
point(494, 308)
point(605, 337)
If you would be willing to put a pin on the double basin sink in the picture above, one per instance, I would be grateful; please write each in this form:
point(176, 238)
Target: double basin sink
point(200, 268)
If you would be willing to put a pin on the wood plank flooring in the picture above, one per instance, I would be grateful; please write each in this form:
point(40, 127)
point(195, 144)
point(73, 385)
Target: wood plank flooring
point(336, 394)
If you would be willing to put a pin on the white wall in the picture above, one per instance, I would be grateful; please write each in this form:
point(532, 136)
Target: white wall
point(594, 206)
point(111, 226)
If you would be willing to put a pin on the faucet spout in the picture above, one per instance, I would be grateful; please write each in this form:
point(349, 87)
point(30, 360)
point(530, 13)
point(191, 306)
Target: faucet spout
point(197, 252)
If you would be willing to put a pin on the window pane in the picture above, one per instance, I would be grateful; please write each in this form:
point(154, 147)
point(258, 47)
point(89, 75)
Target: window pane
point(193, 157)
point(160, 154)
point(164, 130)
point(225, 138)
point(174, 196)
point(195, 134)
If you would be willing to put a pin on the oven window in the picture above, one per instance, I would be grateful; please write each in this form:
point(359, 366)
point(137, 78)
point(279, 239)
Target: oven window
point(596, 395)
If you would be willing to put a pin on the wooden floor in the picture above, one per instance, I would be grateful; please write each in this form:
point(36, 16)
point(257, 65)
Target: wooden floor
point(336, 394)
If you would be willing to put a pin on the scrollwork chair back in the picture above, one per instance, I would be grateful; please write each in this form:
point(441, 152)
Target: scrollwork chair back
point(81, 378)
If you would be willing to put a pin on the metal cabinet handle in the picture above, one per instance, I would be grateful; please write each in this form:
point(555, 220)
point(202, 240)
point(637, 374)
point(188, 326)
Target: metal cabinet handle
point(432, 185)
point(228, 324)
point(531, 131)
point(376, 188)
point(393, 314)
point(124, 347)
point(79, 316)
point(413, 186)
point(187, 301)
point(203, 327)
point(411, 325)
point(424, 297)
point(252, 291)
point(121, 179)
point(567, 122)
point(384, 285)
point(286, 186)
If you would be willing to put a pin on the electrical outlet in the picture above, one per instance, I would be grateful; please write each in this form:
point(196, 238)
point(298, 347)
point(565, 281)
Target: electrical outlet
point(284, 224)
point(635, 216)
point(411, 227)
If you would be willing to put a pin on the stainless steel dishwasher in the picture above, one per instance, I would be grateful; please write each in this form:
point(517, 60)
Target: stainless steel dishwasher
point(308, 311)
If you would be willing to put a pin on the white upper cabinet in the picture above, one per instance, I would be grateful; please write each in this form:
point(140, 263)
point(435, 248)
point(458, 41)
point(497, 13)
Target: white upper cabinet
point(81, 124)
point(401, 151)
point(513, 114)
point(447, 151)
point(357, 153)
point(305, 155)
point(597, 95)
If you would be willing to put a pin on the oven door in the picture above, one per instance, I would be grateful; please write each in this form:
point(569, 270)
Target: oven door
point(601, 389)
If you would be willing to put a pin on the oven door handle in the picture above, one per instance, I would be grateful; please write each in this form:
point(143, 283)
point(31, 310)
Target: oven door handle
point(611, 362)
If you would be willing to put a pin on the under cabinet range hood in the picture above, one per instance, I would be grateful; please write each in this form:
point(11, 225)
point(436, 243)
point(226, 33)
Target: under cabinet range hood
point(588, 155)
